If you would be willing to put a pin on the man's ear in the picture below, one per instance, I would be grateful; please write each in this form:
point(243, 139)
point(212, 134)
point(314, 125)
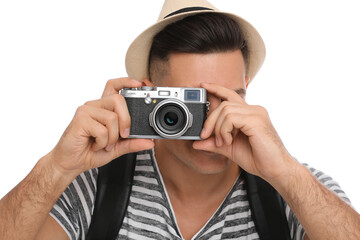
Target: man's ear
point(147, 82)
point(247, 81)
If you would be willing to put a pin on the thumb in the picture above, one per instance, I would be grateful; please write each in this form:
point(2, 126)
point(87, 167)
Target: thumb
point(125, 146)
point(210, 146)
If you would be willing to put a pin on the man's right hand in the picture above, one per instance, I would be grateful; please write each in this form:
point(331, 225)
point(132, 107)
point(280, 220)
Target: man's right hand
point(97, 134)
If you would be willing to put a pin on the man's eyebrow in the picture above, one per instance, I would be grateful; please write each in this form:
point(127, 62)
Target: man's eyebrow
point(240, 91)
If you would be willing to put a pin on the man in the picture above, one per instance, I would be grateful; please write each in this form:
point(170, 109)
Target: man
point(182, 189)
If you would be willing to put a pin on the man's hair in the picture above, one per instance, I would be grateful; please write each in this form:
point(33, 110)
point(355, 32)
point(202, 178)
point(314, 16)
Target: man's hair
point(202, 33)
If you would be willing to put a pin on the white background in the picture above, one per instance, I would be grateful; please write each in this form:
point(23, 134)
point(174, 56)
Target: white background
point(56, 55)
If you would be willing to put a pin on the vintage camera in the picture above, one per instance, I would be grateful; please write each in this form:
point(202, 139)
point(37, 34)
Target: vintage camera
point(166, 112)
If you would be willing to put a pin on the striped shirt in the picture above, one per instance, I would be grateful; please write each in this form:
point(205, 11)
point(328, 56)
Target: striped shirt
point(150, 215)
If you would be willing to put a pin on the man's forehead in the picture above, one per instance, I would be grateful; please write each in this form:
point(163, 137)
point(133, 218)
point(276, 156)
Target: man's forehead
point(189, 70)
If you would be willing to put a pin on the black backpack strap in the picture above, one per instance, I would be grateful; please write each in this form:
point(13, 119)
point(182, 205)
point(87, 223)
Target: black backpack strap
point(267, 209)
point(112, 197)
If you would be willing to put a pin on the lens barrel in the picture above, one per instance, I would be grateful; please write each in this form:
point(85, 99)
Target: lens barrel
point(170, 118)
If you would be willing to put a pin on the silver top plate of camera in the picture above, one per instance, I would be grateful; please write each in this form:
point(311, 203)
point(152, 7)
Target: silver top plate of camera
point(189, 95)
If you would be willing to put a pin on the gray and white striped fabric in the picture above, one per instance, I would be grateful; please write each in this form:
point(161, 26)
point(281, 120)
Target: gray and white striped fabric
point(150, 215)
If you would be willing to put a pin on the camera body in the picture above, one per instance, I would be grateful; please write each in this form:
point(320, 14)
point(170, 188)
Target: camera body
point(166, 112)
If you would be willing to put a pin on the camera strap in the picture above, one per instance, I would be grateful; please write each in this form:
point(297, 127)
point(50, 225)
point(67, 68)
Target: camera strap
point(113, 192)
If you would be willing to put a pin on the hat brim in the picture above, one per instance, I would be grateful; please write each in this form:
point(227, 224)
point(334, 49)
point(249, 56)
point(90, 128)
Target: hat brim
point(137, 56)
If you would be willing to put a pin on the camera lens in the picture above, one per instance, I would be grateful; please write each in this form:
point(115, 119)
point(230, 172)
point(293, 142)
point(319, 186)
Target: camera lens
point(170, 119)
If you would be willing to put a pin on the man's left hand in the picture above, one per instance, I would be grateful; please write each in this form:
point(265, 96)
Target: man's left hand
point(244, 134)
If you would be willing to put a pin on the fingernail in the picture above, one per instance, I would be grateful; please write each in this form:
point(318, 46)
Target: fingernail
point(135, 81)
point(126, 132)
point(217, 142)
point(110, 147)
point(203, 132)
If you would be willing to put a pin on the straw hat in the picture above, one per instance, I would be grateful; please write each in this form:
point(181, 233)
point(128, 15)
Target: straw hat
point(174, 10)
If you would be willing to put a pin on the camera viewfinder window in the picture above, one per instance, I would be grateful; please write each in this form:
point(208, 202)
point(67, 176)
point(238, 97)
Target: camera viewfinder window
point(192, 95)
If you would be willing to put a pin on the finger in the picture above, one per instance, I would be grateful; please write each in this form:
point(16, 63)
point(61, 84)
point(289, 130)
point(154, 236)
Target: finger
point(228, 116)
point(234, 118)
point(121, 109)
point(211, 120)
point(98, 132)
point(109, 119)
point(122, 146)
point(116, 103)
point(113, 86)
point(125, 146)
point(210, 146)
point(222, 92)
point(226, 127)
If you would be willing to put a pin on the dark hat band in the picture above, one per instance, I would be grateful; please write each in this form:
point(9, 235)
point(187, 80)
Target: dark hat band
point(188, 9)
